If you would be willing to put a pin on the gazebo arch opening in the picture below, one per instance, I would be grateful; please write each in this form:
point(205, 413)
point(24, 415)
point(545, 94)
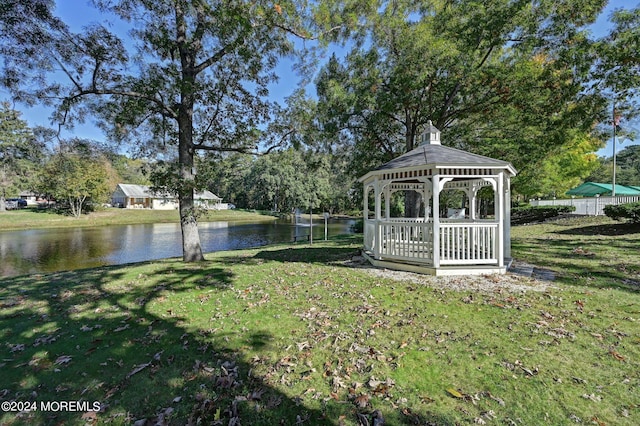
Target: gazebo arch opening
point(449, 234)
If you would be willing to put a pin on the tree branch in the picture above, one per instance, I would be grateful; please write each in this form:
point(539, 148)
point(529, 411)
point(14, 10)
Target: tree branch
point(216, 56)
point(251, 150)
point(163, 108)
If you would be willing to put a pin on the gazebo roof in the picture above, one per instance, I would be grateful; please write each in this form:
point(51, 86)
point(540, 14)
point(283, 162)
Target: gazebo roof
point(439, 156)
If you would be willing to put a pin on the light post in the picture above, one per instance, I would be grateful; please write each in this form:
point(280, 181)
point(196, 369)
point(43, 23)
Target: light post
point(616, 123)
point(613, 189)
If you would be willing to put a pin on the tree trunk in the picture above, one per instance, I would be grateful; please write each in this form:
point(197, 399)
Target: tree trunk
point(191, 248)
point(412, 201)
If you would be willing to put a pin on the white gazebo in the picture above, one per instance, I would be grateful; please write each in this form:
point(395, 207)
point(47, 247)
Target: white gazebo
point(460, 243)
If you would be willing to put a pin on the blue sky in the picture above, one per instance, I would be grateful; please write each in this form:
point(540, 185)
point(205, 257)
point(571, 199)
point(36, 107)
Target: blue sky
point(77, 13)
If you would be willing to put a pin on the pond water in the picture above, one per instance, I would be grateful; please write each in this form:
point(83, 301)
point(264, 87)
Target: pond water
point(51, 250)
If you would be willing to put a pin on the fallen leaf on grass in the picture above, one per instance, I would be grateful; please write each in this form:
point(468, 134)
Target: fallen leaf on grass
point(90, 416)
point(18, 347)
point(377, 419)
point(137, 369)
point(617, 356)
point(455, 393)
point(362, 419)
point(426, 399)
point(362, 401)
point(63, 359)
point(582, 252)
point(256, 395)
point(593, 397)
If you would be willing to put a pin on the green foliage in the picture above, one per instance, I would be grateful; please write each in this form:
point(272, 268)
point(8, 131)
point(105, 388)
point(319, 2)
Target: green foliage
point(530, 214)
point(128, 170)
point(618, 68)
point(75, 177)
point(627, 167)
point(20, 154)
point(281, 181)
point(564, 168)
point(629, 211)
point(499, 78)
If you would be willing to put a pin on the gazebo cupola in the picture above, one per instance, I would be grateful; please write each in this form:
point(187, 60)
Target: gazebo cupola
point(454, 242)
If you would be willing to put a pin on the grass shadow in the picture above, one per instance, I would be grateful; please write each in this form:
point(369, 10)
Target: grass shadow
point(309, 254)
point(575, 262)
point(150, 347)
point(609, 229)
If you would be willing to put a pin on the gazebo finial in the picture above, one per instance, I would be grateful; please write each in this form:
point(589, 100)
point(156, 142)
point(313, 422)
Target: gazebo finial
point(431, 135)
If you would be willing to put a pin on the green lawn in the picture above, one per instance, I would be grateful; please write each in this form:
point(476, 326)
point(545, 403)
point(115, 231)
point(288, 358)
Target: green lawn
point(42, 218)
point(591, 251)
point(292, 334)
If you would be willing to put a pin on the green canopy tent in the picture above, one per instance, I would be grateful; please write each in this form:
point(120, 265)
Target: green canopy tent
point(591, 189)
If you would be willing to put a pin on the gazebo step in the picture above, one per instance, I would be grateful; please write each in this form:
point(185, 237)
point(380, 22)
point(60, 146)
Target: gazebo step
point(532, 271)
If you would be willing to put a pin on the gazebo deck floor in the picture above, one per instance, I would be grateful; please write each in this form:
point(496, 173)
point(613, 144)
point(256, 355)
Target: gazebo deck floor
point(442, 270)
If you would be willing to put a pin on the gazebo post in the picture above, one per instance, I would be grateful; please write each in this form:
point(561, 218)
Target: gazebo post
point(507, 219)
point(378, 229)
point(365, 202)
point(427, 190)
point(387, 202)
point(499, 213)
point(473, 200)
point(435, 213)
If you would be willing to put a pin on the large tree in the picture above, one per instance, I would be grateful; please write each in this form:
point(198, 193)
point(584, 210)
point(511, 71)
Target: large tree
point(76, 175)
point(499, 77)
point(192, 74)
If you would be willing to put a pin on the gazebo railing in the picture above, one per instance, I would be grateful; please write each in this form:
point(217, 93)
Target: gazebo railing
point(409, 241)
point(460, 242)
point(468, 243)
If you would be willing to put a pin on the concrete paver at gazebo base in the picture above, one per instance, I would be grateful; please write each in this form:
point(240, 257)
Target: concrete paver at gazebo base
point(460, 244)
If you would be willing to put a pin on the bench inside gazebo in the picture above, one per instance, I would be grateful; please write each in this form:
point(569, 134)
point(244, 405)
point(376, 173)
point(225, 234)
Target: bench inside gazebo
point(458, 244)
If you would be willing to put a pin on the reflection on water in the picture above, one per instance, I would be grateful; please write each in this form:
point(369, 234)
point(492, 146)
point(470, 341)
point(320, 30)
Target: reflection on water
point(50, 250)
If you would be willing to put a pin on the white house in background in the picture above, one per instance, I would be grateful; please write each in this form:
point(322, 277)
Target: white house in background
point(208, 200)
point(132, 196)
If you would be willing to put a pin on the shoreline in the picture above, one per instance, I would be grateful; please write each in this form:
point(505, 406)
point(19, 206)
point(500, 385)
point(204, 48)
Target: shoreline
point(20, 220)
